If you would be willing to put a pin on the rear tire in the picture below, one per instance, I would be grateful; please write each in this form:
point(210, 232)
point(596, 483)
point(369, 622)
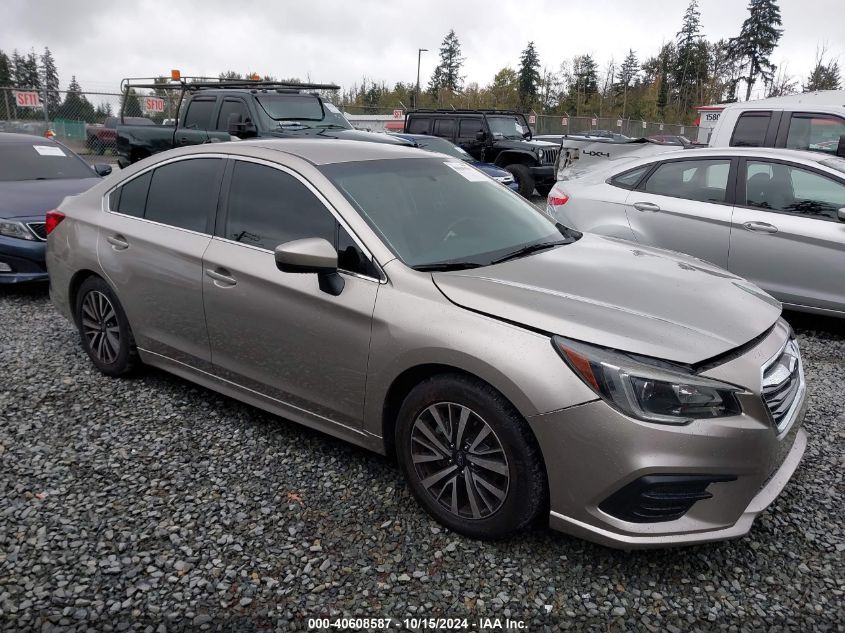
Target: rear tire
point(544, 190)
point(104, 330)
point(523, 177)
point(469, 457)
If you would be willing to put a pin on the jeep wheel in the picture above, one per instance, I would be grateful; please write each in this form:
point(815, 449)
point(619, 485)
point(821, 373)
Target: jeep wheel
point(523, 177)
point(544, 190)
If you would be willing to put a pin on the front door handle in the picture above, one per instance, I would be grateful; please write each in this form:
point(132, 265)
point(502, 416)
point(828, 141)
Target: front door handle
point(221, 279)
point(118, 242)
point(646, 206)
point(760, 227)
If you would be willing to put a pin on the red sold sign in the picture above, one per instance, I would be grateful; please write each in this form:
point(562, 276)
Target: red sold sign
point(153, 104)
point(532, 119)
point(28, 99)
point(397, 114)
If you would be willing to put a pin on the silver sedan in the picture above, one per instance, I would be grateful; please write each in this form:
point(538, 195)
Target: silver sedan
point(775, 217)
point(403, 301)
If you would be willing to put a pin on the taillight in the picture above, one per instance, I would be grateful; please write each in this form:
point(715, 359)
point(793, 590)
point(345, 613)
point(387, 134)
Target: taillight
point(54, 218)
point(558, 200)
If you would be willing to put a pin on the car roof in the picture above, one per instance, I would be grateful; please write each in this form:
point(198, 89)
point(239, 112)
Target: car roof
point(321, 151)
point(758, 152)
point(11, 137)
point(831, 98)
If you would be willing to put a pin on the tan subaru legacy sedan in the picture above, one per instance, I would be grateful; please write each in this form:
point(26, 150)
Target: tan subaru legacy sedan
point(403, 301)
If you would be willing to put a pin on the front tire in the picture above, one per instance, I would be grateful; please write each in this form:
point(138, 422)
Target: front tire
point(523, 177)
point(544, 190)
point(469, 457)
point(105, 333)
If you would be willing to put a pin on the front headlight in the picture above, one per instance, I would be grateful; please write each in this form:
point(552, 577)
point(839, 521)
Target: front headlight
point(10, 228)
point(540, 154)
point(505, 180)
point(648, 390)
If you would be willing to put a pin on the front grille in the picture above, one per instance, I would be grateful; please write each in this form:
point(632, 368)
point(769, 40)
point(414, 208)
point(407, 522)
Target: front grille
point(783, 384)
point(40, 230)
point(659, 498)
point(550, 155)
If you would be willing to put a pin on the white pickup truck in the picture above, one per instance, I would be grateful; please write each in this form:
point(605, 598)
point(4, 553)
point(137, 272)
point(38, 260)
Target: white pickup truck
point(811, 121)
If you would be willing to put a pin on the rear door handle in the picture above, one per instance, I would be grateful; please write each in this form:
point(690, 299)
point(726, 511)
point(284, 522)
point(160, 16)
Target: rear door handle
point(118, 242)
point(760, 227)
point(220, 279)
point(646, 206)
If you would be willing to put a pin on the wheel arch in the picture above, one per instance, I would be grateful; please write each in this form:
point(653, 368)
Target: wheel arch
point(75, 284)
point(510, 157)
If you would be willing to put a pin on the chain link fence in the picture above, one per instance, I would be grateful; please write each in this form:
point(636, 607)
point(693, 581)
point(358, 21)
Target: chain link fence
point(558, 124)
point(84, 121)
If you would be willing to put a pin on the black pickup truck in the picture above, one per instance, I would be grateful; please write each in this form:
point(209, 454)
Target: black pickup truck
point(232, 110)
point(501, 137)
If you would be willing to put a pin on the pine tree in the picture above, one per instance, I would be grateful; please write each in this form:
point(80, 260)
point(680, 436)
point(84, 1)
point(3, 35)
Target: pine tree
point(76, 106)
point(17, 69)
point(691, 56)
point(584, 79)
point(130, 104)
point(5, 81)
point(447, 74)
point(752, 49)
point(529, 76)
point(50, 76)
point(627, 72)
point(28, 76)
point(825, 75)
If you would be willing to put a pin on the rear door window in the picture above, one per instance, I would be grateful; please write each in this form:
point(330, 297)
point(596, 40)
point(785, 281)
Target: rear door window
point(444, 128)
point(198, 116)
point(750, 130)
point(702, 180)
point(184, 194)
point(816, 132)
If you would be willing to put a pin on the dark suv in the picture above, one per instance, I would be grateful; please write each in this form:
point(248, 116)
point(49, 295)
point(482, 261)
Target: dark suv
point(500, 137)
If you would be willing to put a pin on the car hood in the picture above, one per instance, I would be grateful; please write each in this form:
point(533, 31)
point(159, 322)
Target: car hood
point(490, 169)
point(620, 295)
point(23, 198)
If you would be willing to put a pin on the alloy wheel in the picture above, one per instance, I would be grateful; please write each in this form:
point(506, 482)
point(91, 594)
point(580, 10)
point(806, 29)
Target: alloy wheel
point(100, 327)
point(459, 460)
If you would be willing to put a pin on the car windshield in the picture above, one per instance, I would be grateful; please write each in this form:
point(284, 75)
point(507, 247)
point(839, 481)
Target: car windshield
point(506, 127)
point(40, 160)
point(435, 144)
point(433, 212)
point(296, 109)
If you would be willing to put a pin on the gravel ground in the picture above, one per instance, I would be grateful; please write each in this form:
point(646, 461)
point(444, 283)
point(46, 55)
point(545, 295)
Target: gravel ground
point(150, 504)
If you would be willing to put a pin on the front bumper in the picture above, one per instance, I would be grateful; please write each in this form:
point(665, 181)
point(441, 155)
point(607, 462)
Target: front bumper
point(593, 451)
point(25, 258)
point(543, 174)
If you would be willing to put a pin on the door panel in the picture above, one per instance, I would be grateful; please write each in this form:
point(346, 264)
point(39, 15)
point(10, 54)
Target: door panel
point(674, 209)
point(786, 237)
point(280, 335)
point(158, 278)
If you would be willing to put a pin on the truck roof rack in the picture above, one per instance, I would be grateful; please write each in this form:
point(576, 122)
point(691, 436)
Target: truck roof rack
point(208, 83)
point(464, 111)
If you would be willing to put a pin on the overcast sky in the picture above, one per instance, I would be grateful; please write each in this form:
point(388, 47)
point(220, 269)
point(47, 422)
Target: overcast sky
point(101, 42)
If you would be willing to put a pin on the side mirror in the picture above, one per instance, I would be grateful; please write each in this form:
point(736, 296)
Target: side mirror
point(840, 151)
point(481, 136)
point(101, 169)
point(236, 126)
point(841, 214)
point(311, 255)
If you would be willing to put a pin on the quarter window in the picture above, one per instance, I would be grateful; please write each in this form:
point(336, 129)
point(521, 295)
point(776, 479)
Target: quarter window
point(750, 130)
point(198, 116)
point(133, 196)
point(629, 179)
point(184, 193)
point(787, 189)
point(418, 125)
point(702, 180)
point(815, 132)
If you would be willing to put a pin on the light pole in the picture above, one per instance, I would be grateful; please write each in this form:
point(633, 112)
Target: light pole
point(420, 51)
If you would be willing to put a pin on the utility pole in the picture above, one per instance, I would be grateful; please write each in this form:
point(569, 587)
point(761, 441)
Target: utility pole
point(420, 51)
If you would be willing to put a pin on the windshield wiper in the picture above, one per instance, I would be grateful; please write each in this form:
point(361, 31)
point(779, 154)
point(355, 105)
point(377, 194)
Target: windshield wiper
point(446, 266)
point(527, 250)
point(332, 126)
point(284, 124)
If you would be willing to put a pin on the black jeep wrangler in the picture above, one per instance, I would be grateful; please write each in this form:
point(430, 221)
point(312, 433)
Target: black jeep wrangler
point(501, 137)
